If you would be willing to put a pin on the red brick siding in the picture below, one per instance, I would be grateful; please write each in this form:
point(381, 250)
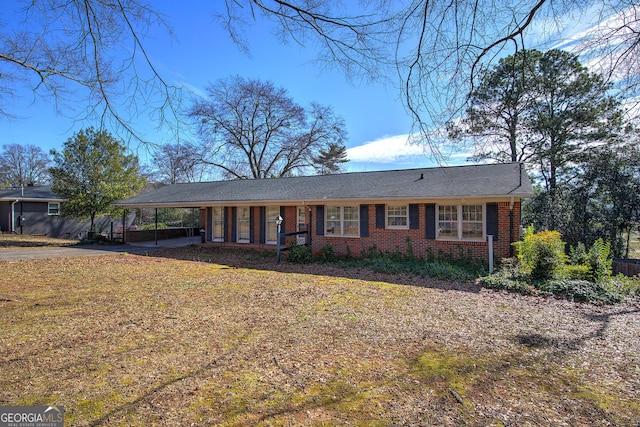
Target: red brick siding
point(384, 239)
point(387, 240)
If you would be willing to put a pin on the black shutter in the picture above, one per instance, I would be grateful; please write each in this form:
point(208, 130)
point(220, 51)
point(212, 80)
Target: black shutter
point(209, 224)
point(320, 221)
point(364, 220)
point(492, 220)
point(251, 227)
point(282, 227)
point(225, 222)
point(263, 224)
point(430, 219)
point(380, 216)
point(234, 224)
point(414, 212)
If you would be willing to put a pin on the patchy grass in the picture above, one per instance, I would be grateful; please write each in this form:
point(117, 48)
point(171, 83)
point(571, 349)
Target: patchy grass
point(237, 340)
point(8, 241)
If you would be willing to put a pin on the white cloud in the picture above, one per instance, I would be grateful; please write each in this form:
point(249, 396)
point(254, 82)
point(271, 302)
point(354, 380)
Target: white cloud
point(193, 89)
point(389, 149)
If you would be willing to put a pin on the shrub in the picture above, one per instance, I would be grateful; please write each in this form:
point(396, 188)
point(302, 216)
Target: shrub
point(578, 272)
point(300, 254)
point(593, 265)
point(598, 259)
point(327, 253)
point(580, 291)
point(161, 226)
point(542, 254)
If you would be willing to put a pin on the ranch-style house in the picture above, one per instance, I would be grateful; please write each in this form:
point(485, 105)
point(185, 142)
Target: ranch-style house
point(448, 210)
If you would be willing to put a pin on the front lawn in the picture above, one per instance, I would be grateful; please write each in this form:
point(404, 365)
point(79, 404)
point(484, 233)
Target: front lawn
point(217, 340)
point(8, 241)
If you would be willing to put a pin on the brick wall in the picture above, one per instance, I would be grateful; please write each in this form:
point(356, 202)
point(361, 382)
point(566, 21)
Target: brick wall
point(391, 240)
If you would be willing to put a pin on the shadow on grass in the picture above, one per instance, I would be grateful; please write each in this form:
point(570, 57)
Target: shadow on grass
point(602, 320)
point(266, 260)
point(21, 241)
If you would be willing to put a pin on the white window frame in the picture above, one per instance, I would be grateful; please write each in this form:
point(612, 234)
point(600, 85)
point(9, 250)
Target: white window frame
point(217, 223)
point(242, 219)
point(341, 221)
point(405, 216)
point(460, 221)
point(57, 208)
point(271, 228)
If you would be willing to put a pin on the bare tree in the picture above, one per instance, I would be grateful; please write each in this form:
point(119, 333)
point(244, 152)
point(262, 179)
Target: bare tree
point(93, 50)
point(22, 165)
point(440, 49)
point(87, 54)
point(251, 129)
point(174, 163)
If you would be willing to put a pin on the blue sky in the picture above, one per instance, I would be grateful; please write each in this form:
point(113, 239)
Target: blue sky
point(202, 52)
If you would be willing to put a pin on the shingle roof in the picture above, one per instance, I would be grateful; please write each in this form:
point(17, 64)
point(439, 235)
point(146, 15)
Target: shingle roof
point(477, 181)
point(35, 193)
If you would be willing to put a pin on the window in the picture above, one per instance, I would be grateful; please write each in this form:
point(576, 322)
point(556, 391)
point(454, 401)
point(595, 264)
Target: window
point(472, 224)
point(54, 208)
point(342, 221)
point(243, 222)
point(218, 224)
point(397, 216)
point(272, 229)
point(461, 222)
point(448, 222)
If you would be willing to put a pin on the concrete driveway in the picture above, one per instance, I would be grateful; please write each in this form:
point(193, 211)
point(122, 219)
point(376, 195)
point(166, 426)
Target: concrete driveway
point(18, 253)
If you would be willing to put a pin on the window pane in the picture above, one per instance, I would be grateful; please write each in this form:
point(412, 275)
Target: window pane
point(397, 216)
point(472, 230)
point(243, 223)
point(218, 224)
point(351, 213)
point(448, 222)
point(272, 229)
point(448, 213)
point(333, 220)
point(350, 226)
point(54, 208)
point(472, 222)
point(472, 213)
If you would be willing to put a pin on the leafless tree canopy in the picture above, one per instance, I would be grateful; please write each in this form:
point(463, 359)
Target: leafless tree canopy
point(86, 56)
point(252, 129)
point(175, 163)
point(439, 48)
point(21, 165)
point(75, 50)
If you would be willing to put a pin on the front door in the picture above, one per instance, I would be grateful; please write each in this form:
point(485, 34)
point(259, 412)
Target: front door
point(301, 225)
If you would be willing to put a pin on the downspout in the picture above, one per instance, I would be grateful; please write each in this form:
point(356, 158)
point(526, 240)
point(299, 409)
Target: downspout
point(12, 228)
point(511, 227)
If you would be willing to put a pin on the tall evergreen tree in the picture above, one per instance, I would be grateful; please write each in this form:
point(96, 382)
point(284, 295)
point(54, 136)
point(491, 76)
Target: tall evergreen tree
point(330, 160)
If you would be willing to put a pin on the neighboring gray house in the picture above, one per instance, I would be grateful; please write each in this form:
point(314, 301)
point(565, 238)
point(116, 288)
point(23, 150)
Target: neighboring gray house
point(450, 210)
point(36, 210)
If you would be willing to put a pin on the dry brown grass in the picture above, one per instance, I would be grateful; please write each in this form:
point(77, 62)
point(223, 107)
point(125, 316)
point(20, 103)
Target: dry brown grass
point(132, 340)
point(8, 241)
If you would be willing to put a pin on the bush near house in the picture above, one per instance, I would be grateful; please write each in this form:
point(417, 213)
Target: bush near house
point(437, 266)
point(543, 268)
